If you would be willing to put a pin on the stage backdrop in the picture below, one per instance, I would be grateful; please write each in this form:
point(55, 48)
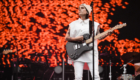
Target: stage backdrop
point(39, 26)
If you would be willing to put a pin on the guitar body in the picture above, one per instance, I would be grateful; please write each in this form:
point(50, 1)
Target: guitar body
point(76, 53)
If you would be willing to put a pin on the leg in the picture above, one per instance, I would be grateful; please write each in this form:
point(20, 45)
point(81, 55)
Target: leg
point(78, 70)
point(96, 70)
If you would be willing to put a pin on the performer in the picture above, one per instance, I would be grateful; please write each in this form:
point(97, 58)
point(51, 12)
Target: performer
point(75, 32)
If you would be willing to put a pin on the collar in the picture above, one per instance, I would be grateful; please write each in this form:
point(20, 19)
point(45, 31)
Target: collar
point(83, 21)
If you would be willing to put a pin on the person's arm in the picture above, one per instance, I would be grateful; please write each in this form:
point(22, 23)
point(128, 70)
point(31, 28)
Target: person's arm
point(68, 38)
point(98, 32)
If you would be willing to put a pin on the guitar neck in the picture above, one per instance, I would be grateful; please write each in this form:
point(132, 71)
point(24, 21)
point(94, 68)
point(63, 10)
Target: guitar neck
point(97, 37)
point(104, 33)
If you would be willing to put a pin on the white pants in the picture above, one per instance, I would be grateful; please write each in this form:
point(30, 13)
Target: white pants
point(78, 69)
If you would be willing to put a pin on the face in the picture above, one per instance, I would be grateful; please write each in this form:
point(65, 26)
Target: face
point(82, 10)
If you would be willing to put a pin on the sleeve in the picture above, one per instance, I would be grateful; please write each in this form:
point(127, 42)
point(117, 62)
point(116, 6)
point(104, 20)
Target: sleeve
point(72, 32)
point(71, 24)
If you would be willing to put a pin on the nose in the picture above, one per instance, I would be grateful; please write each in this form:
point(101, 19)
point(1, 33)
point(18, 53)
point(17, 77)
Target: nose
point(80, 10)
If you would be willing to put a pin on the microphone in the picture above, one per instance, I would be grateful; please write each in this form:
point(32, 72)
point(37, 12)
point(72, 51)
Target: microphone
point(91, 4)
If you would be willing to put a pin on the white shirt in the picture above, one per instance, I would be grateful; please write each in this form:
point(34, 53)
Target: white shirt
point(79, 28)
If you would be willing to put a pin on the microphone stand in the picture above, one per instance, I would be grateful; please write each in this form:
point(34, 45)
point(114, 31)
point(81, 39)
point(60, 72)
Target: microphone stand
point(124, 68)
point(63, 71)
point(93, 34)
point(110, 75)
point(17, 60)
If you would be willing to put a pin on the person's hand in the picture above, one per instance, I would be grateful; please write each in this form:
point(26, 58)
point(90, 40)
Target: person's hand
point(110, 32)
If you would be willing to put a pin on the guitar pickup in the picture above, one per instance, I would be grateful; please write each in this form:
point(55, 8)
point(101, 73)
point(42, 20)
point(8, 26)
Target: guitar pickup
point(84, 44)
point(76, 46)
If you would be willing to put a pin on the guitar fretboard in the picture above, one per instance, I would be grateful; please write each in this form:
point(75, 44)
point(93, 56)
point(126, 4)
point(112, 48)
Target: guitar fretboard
point(104, 33)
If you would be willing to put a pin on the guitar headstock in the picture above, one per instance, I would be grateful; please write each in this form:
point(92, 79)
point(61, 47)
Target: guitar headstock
point(120, 26)
point(7, 51)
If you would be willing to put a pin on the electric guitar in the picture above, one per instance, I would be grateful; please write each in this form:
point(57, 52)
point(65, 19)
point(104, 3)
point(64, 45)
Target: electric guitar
point(75, 49)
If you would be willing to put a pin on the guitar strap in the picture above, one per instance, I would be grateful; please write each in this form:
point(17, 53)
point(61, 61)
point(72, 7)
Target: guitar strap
point(87, 36)
point(90, 28)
